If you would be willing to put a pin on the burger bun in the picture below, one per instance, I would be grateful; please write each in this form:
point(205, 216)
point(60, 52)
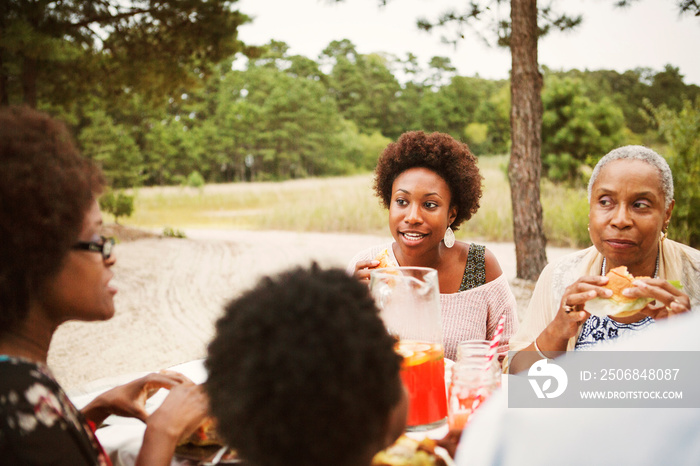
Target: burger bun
point(618, 305)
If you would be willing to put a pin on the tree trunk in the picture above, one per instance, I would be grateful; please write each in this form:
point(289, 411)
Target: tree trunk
point(29, 75)
point(526, 136)
point(4, 92)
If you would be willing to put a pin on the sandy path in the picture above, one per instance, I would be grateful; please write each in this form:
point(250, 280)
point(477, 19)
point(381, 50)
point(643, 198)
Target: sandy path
point(171, 291)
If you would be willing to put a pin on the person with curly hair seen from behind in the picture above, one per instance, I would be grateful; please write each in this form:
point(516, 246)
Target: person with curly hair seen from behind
point(431, 184)
point(55, 267)
point(303, 372)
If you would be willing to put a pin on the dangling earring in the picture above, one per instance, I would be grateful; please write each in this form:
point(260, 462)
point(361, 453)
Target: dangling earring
point(449, 238)
point(664, 233)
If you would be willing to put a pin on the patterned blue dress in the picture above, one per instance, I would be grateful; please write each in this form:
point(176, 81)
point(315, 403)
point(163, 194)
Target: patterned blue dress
point(597, 329)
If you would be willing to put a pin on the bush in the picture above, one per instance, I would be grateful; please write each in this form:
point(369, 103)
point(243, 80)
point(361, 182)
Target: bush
point(476, 134)
point(170, 232)
point(682, 132)
point(575, 129)
point(559, 167)
point(119, 205)
point(565, 215)
point(195, 180)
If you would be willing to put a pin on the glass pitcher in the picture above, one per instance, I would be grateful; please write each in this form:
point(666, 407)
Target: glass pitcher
point(409, 302)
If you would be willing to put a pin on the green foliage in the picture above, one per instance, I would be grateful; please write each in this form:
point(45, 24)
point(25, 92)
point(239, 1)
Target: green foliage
point(565, 212)
point(170, 232)
point(629, 89)
point(681, 129)
point(560, 167)
point(64, 51)
point(363, 87)
point(195, 180)
point(361, 151)
point(110, 144)
point(165, 158)
point(280, 116)
point(108, 201)
point(494, 111)
point(574, 128)
point(119, 205)
point(667, 88)
point(476, 134)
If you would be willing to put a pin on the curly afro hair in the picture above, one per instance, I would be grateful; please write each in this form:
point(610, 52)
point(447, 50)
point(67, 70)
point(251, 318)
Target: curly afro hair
point(302, 371)
point(441, 153)
point(46, 188)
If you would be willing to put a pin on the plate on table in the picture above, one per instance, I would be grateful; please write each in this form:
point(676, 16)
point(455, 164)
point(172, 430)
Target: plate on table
point(407, 451)
point(204, 454)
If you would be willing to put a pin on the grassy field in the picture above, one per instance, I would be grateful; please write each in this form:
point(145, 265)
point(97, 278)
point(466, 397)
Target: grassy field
point(346, 204)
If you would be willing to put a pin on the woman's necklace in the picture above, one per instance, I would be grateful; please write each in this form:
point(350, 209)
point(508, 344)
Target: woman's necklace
point(656, 267)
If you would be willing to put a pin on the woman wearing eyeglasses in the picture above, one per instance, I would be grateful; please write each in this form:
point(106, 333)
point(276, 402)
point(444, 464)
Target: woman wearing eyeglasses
point(55, 267)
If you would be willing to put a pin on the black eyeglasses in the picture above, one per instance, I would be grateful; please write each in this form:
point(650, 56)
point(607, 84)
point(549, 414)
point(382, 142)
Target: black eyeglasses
point(104, 246)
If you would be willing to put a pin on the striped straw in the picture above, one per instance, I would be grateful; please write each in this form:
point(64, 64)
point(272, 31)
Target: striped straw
point(493, 348)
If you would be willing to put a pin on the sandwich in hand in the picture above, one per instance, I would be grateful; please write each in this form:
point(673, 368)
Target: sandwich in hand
point(385, 259)
point(618, 305)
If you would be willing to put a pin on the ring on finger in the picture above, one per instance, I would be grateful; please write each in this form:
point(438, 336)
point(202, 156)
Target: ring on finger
point(568, 308)
point(675, 301)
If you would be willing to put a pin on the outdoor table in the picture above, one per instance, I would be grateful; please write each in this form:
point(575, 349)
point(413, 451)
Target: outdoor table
point(121, 437)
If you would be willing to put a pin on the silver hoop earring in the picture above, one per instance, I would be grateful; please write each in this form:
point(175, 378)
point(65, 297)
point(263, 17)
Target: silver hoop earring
point(449, 238)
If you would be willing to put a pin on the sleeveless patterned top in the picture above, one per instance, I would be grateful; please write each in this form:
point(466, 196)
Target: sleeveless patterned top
point(475, 270)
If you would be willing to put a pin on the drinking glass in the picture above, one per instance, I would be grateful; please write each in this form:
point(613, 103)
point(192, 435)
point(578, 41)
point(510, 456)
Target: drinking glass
point(475, 375)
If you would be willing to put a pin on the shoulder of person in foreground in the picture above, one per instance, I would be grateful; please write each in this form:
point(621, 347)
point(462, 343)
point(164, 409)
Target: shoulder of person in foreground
point(639, 436)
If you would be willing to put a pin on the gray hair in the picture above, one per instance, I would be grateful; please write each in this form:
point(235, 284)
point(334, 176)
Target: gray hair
point(637, 153)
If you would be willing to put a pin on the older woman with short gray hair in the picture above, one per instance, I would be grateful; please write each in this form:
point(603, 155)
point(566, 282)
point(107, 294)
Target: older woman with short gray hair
point(630, 196)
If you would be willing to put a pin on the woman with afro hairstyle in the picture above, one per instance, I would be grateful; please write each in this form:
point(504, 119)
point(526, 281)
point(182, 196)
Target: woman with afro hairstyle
point(54, 267)
point(302, 372)
point(430, 183)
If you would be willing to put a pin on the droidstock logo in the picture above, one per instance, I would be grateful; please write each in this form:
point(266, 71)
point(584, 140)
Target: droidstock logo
point(546, 371)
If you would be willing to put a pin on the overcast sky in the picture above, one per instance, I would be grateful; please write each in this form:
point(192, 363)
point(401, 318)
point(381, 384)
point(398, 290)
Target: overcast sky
point(648, 34)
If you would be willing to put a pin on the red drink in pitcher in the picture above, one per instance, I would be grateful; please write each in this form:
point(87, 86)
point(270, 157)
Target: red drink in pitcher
point(423, 374)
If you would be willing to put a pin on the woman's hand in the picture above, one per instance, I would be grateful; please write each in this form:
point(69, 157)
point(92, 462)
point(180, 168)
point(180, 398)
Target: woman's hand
point(129, 400)
point(566, 323)
point(363, 269)
point(668, 300)
point(182, 411)
point(571, 313)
